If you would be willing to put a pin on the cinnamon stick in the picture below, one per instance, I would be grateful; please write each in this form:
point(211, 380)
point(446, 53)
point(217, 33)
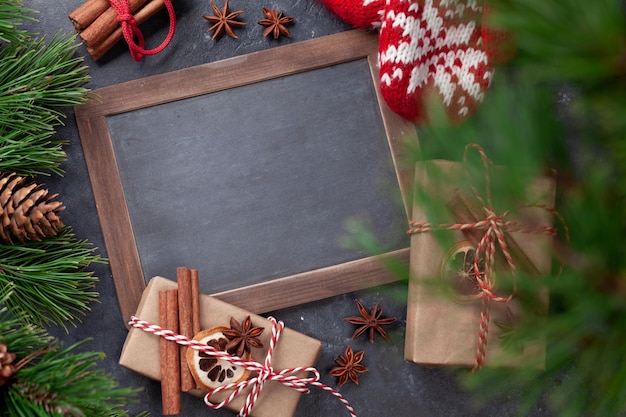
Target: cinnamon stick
point(185, 319)
point(169, 353)
point(195, 304)
point(101, 28)
point(86, 13)
point(466, 212)
point(146, 12)
point(195, 301)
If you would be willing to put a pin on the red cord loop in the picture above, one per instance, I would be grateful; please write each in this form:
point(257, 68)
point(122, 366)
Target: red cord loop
point(132, 33)
point(127, 17)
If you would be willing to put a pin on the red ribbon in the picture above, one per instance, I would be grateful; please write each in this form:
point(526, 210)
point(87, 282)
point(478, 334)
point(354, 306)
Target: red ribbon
point(495, 226)
point(264, 371)
point(131, 31)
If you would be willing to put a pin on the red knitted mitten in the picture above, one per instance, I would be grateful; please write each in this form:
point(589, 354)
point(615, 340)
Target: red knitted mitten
point(432, 45)
point(426, 47)
point(358, 13)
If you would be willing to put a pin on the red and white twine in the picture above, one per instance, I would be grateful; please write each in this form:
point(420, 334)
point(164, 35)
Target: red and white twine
point(264, 371)
point(495, 226)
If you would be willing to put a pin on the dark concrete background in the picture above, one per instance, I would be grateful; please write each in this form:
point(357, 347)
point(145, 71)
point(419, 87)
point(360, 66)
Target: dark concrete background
point(392, 387)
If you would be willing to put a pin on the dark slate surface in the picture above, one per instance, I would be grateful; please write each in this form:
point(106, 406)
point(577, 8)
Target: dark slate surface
point(393, 387)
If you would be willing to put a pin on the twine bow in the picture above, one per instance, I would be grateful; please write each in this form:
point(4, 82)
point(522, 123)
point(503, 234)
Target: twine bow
point(264, 371)
point(131, 30)
point(495, 226)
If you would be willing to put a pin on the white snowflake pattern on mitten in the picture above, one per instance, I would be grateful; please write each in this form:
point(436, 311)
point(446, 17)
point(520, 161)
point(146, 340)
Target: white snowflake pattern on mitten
point(426, 48)
point(432, 45)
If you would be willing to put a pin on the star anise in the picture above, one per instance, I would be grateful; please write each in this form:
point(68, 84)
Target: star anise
point(242, 337)
point(275, 23)
point(370, 320)
point(348, 367)
point(223, 21)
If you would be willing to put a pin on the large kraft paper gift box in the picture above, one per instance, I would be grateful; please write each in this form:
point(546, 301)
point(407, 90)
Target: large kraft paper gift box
point(141, 350)
point(443, 320)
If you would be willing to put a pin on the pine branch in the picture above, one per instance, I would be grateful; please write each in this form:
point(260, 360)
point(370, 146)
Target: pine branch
point(566, 72)
point(581, 45)
point(49, 278)
point(517, 124)
point(53, 380)
point(65, 382)
point(38, 80)
point(568, 40)
point(23, 338)
point(11, 15)
point(44, 282)
point(30, 152)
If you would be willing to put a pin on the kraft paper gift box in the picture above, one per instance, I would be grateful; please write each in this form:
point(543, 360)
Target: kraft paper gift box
point(442, 322)
point(140, 352)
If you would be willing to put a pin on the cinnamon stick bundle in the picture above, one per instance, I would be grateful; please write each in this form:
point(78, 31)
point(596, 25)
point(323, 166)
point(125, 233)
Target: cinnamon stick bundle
point(169, 353)
point(98, 26)
point(101, 28)
point(141, 16)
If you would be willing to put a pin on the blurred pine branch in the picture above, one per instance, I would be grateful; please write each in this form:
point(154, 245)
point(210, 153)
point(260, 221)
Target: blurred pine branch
point(561, 103)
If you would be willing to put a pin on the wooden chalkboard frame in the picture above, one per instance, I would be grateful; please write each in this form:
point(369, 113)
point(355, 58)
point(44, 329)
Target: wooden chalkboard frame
point(256, 67)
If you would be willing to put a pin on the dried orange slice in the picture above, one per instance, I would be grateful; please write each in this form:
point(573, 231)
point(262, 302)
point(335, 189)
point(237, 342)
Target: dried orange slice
point(208, 371)
point(458, 271)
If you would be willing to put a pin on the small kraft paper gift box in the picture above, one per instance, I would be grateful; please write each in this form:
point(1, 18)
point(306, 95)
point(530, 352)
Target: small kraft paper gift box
point(456, 314)
point(142, 351)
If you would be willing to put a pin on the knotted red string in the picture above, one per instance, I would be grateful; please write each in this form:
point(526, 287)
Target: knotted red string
point(264, 371)
point(132, 33)
point(495, 226)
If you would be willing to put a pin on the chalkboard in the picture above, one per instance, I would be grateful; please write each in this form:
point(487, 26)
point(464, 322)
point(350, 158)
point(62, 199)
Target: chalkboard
point(247, 169)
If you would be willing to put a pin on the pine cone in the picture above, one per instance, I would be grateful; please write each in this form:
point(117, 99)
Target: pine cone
point(26, 210)
point(7, 369)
